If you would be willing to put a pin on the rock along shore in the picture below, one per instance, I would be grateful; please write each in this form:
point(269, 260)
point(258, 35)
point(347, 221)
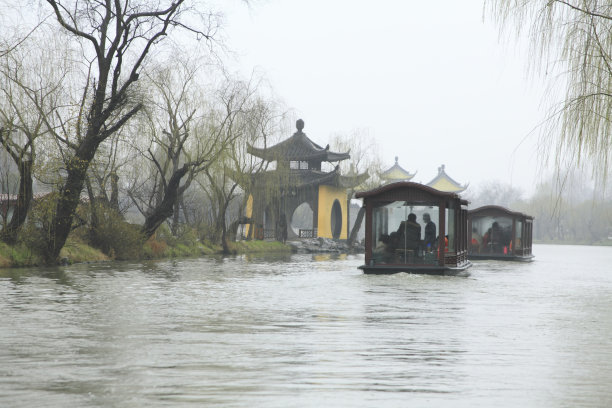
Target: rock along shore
point(323, 245)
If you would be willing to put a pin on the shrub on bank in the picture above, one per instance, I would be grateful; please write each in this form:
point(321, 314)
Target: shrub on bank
point(18, 255)
point(78, 251)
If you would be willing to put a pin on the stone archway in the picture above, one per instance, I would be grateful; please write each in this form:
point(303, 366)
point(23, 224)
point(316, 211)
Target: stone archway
point(336, 219)
point(301, 219)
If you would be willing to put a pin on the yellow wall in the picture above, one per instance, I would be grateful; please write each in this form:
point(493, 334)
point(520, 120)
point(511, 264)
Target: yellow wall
point(327, 196)
point(249, 206)
point(249, 212)
point(447, 186)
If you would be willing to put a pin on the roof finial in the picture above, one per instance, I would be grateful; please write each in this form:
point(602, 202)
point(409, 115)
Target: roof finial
point(396, 159)
point(299, 125)
point(441, 169)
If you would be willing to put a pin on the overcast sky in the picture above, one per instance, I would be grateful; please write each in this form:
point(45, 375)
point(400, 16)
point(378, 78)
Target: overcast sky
point(430, 81)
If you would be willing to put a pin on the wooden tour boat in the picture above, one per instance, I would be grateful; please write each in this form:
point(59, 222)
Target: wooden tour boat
point(499, 233)
point(414, 228)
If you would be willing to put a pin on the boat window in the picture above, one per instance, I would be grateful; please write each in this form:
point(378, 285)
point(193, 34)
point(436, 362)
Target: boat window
point(491, 234)
point(518, 239)
point(405, 233)
point(450, 229)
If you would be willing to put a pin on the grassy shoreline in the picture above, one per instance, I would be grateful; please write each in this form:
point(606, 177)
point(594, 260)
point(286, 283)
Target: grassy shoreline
point(78, 252)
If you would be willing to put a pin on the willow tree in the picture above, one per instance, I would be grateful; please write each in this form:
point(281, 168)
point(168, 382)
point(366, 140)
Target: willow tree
point(573, 38)
point(230, 177)
point(365, 158)
point(189, 128)
point(29, 92)
point(116, 38)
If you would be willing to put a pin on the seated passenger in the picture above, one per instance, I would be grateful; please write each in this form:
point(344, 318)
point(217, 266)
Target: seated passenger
point(476, 241)
point(497, 238)
point(383, 252)
point(409, 233)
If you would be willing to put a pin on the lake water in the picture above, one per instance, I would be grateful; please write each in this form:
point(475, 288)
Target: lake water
point(309, 331)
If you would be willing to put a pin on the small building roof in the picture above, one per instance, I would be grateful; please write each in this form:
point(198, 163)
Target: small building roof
point(396, 173)
point(297, 147)
point(444, 182)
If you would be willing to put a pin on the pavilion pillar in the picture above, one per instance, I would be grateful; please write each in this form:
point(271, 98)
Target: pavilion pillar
point(442, 233)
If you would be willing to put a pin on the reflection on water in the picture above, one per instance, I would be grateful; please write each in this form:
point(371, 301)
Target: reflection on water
point(304, 330)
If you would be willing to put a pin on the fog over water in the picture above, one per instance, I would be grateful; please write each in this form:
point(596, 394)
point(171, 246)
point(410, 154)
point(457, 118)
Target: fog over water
point(308, 330)
point(432, 82)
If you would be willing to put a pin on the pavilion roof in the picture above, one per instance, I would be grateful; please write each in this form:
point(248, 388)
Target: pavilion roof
point(396, 173)
point(444, 182)
point(303, 178)
point(297, 147)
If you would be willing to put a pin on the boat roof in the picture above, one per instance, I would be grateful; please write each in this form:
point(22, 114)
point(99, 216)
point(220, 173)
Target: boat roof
point(497, 210)
point(408, 191)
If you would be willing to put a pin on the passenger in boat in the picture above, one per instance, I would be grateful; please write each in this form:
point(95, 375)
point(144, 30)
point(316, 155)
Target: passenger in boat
point(383, 252)
point(409, 233)
point(476, 240)
point(496, 238)
point(445, 244)
point(429, 240)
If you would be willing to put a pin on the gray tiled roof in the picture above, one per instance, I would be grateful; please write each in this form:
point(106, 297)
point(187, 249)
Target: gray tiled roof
point(297, 147)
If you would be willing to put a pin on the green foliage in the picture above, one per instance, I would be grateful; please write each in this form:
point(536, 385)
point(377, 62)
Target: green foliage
point(116, 237)
point(184, 244)
point(18, 255)
point(35, 233)
point(77, 251)
point(185, 235)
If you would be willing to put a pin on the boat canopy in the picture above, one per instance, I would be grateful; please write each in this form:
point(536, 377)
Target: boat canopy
point(499, 233)
point(415, 228)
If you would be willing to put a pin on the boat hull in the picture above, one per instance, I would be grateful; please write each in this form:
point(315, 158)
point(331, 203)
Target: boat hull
point(493, 257)
point(387, 269)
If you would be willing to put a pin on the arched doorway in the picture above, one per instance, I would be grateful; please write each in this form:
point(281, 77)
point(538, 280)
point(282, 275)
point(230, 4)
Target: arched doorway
point(336, 219)
point(301, 219)
point(268, 223)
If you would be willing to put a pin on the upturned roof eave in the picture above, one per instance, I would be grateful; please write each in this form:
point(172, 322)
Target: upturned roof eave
point(297, 147)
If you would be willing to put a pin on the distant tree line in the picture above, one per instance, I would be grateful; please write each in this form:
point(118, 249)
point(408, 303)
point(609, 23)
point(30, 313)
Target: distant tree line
point(566, 209)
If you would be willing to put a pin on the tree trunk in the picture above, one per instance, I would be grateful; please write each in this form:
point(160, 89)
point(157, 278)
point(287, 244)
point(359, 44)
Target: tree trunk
point(175, 218)
point(114, 198)
point(24, 199)
point(93, 210)
point(356, 227)
point(69, 197)
point(165, 208)
point(221, 221)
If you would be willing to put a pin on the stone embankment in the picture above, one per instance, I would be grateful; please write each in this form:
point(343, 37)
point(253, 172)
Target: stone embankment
point(323, 245)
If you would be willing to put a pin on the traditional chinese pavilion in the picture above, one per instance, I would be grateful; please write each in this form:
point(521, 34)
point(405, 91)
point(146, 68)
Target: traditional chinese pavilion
point(444, 182)
point(296, 179)
point(396, 173)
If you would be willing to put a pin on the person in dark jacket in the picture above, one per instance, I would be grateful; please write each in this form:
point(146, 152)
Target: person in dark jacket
point(429, 240)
